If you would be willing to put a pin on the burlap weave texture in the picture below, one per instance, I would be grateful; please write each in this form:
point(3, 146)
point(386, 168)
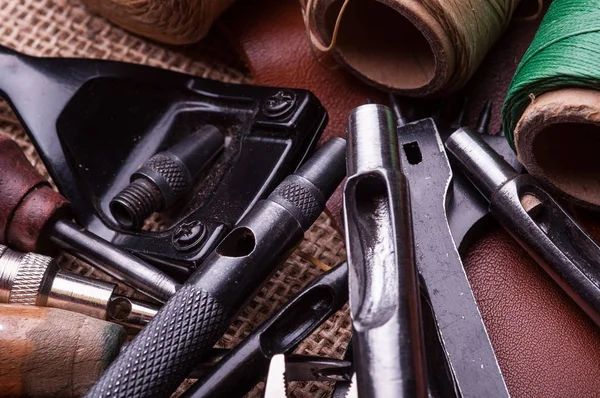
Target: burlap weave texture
point(65, 28)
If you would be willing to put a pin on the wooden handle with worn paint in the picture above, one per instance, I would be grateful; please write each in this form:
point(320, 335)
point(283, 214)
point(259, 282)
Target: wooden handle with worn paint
point(53, 353)
point(28, 206)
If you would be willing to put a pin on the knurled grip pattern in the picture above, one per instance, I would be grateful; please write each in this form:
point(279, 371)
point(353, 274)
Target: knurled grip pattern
point(172, 172)
point(301, 197)
point(29, 278)
point(166, 350)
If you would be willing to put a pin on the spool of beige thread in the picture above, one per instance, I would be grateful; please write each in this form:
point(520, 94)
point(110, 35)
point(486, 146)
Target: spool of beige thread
point(413, 47)
point(167, 21)
point(572, 165)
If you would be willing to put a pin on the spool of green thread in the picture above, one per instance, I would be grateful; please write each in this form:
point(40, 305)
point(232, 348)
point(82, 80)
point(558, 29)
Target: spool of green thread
point(551, 115)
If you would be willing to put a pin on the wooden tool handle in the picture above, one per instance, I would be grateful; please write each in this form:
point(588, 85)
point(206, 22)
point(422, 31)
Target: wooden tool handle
point(27, 203)
point(53, 353)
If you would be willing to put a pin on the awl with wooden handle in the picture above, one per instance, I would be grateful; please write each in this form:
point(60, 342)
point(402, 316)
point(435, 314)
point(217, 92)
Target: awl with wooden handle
point(33, 217)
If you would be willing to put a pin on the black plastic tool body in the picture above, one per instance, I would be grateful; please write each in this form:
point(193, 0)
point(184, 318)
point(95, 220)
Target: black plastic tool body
point(167, 349)
point(94, 122)
point(248, 363)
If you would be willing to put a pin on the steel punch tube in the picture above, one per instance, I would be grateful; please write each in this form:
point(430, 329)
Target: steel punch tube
point(193, 320)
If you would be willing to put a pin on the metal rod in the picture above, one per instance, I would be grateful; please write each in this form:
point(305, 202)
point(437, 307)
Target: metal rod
point(115, 262)
point(481, 164)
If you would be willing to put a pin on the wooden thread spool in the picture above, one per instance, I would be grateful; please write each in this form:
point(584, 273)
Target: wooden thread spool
point(167, 21)
point(407, 46)
point(571, 165)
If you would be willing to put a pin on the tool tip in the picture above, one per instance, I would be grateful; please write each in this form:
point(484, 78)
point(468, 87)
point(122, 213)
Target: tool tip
point(485, 117)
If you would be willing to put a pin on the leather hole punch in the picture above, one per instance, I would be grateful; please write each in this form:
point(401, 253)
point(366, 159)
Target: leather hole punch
point(239, 243)
point(94, 122)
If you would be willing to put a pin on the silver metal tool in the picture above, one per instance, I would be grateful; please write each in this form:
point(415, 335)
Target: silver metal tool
point(529, 213)
point(464, 340)
point(276, 384)
point(384, 295)
point(467, 212)
point(33, 279)
point(352, 390)
point(303, 368)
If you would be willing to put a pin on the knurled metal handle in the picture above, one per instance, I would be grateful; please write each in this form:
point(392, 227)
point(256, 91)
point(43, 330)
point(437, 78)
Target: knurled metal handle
point(23, 276)
point(166, 350)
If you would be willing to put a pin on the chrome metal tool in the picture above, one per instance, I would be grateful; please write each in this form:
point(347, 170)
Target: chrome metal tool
point(529, 213)
point(465, 344)
point(34, 279)
point(384, 295)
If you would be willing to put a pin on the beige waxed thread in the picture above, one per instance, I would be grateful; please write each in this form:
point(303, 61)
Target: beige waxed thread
point(169, 21)
point(313, 42)
point(472, 26)
point(307, 11)
point(314, 261)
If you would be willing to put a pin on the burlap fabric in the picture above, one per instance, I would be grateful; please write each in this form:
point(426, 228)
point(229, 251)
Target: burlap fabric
point(64, 28)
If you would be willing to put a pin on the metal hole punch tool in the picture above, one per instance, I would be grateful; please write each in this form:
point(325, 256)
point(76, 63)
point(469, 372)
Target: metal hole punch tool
point(245, 365)
point(193, 320)
point(465, 344)
point(94, 122)
point(389, 355)
point(523, 206)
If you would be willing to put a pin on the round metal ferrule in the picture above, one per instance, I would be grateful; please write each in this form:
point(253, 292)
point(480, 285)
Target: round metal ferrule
point(25, 278)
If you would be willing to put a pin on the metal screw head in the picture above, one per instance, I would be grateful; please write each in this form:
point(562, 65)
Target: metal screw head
point(188, 235)
point(279, 104)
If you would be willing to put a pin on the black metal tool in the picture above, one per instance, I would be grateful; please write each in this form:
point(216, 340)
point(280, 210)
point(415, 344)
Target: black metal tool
point(298, 367)
point(466, 348)
point(526, 210)
point(166, 177)
point(33, 217)
point(468, 213)
point(248, 363)
point(167, 349)
point(384, 296)
point(94, 122)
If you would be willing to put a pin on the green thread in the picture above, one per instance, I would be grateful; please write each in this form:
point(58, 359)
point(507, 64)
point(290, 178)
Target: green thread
point(564, 53)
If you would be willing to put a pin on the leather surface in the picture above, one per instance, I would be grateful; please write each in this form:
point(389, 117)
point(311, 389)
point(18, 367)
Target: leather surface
point(546, 346)
point(272, 40)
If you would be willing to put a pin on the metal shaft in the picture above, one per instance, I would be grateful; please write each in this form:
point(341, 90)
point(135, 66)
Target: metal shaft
point(546, 231)
point(193, 320)
point(384, 297)
point(112, 260)
point(481, 164)
point(34, 279)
